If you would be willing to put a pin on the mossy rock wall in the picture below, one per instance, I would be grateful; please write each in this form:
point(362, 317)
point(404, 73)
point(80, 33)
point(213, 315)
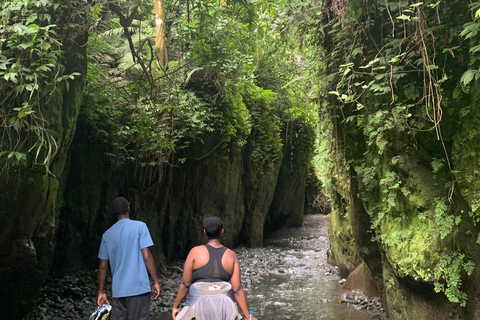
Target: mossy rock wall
point(340, 235)
point(408, 299)
point(402, 156)
point(291, 200)
point(32, 198)
point(424, 238)
point(93, 177)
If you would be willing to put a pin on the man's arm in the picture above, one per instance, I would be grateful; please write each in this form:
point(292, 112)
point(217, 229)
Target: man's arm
point(150, 264)
point(102, 273)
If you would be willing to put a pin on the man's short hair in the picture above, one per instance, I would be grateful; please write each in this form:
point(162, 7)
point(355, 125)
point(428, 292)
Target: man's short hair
point(213, 226)
point(120, 206)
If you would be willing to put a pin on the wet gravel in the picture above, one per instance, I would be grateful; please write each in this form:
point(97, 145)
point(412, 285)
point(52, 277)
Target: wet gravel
point(74, 295)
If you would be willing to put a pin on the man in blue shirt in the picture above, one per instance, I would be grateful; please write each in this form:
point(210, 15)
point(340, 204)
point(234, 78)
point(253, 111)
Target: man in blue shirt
point(125, 247)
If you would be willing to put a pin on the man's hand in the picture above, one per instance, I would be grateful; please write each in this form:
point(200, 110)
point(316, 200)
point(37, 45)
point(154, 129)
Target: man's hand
point(102, 272)
point(102, 299)
point(157, 289)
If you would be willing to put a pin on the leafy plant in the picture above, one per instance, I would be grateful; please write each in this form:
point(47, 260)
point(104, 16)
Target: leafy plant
point(30, 72)
point(450, 268)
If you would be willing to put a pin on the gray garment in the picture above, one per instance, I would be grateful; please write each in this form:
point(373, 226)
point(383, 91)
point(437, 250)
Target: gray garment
point(200, 289)
point(210, 301)
point(134, 307)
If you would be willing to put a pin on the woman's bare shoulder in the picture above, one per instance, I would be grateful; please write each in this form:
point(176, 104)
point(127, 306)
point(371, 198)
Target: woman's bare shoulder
point(231, 253)
point(199, 248)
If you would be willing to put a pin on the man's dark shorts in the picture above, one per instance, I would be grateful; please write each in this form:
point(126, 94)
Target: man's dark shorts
point(132, 308)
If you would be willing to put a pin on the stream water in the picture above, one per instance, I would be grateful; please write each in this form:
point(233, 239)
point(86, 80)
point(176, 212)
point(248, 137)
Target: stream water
point(301, 284)
point(289, 278)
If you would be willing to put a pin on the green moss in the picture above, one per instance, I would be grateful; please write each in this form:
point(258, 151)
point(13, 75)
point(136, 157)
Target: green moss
point(466, 153)
point(237, 120)
point(342, 242)
point(410, 246)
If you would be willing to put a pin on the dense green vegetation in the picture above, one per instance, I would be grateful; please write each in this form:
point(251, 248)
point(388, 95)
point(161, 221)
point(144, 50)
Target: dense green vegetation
point(231, 66)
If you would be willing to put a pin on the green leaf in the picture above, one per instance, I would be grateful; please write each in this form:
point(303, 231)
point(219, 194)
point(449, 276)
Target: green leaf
point(404, 17)
point(31, 18)
point(25, 45)
point(45, 46)
point(11, 76)
point(356, 51)
point(22, 114)
point(393, 5)
point(43, 67)
point(416, 4)
point(470, 30)
point(19, 155)
point(468, 76)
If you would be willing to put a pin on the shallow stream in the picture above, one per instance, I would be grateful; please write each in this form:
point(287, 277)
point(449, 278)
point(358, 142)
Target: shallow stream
point(301, 285)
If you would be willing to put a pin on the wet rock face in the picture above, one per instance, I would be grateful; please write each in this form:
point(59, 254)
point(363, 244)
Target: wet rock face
point(30, 198)
point(288, 203)
point(24, 257)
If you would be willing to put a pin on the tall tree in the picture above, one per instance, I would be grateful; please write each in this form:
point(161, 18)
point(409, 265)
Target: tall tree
point(160, 48)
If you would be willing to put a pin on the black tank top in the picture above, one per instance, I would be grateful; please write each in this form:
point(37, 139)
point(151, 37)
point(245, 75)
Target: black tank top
point(213, 271)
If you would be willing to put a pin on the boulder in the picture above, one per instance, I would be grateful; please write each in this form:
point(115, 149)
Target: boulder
point(361, 279)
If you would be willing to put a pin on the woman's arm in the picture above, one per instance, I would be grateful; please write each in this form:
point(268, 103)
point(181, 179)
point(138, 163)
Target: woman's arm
point(237, 288)
point(182, 293)
point(186, 282)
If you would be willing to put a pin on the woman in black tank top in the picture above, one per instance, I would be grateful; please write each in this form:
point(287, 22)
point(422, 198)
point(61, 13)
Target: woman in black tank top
point(213, 270)
point(222, 266)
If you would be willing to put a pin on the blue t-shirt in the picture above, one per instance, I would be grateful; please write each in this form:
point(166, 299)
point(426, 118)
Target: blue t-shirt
point(121, 246)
